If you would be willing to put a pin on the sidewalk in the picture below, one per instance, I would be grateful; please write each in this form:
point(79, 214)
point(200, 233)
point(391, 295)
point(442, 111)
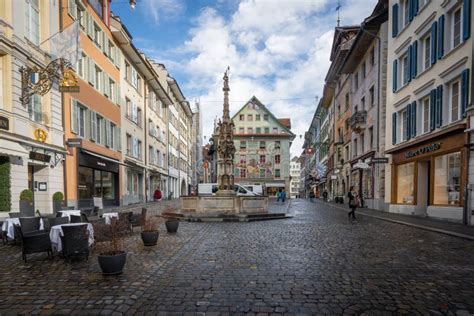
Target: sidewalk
point(434, 225)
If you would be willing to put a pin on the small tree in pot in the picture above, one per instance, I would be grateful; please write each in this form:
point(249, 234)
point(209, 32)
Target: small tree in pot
point(150, 232)
point(26, 203)
point(112, 255)
point(58, 201)
point(172, 222)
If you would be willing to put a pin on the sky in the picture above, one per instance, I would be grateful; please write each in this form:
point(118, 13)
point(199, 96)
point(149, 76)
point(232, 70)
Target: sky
point(277, 50)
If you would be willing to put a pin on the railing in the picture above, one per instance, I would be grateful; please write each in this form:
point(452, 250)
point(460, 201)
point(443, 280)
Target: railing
point(357, 120)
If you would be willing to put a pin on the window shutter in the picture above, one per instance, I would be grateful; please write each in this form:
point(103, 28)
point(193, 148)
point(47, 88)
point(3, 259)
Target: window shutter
point(464, 91)
point(74, 119)
point(395, 20)
point(107, 132)
point(432, 109)
point(93, 126)
point(434, 28)
point(410, 63)
point(118, 139)
point(394, 75)
point(87, 128)
point(117, 57)
point(439, 106)
point(394, 128)
point(413, 119)
point(105, 84)
point(411, 9)
point(89, 24)
point(117, 93)
point(466, 19)
point(409, 124)
point(71, 8)
point(414, 66)
point(416, 7)
point(440, 37)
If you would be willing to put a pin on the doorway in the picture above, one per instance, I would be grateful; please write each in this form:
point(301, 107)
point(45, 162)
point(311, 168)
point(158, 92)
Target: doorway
point(423, 187)
point(31, 181)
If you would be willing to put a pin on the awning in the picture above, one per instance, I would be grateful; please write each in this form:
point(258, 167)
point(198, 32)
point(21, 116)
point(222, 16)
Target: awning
point(10, 148)
point(99, 156)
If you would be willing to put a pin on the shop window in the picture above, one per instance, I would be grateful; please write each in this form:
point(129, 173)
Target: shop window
point(405, 183)
point(447, 179)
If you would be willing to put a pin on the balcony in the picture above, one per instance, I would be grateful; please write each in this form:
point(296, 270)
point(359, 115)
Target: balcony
point(358, 121)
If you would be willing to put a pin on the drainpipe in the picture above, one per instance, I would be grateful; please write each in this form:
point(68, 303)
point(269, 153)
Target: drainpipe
point(145, 149)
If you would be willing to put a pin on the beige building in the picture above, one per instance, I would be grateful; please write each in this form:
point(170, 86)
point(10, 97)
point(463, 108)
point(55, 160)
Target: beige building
point(295, 169)
point(31, 133)
point(429, 82)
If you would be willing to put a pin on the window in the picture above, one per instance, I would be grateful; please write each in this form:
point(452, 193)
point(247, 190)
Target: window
point(277, 173)
point(81, 64)
point(426, 115)
point(33, 21)
point(275, 130)
point(267, 130)
point(258, 130)
point(371, 137)
point(339, 110)
point(355, 147)
point(112, 130)
point(129, 144)
point(455, 101)
point(457, 27)
point(243, 173)
point(277, 159)
point(427, 52)
point(241, 130)
point(347, 101)
point(139, 117)
point(406, 69)
point(35, 110)
point(277, 144)
point(265, 117)
point(241, 117)
point(97, 35)
point(81, 120)
point(362, 143)
point(262, 158)
point(404, 125)
point(135, 78)
point(372, 57)
point(406, 8)
point(100, 127)
point(262, 144)
point(405, 183)
point(447, 179)
point(98, 78)
point(356, 80)
point(372, 96)
point(257, 117)
point(262, 173)
point(362, 103)
point(243, 144)
point(243, 159)
point(80, 14)
point(250, 130)
point(249, 117)
point(363, 70)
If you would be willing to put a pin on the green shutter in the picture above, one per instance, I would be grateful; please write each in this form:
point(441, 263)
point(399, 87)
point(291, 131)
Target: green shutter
point(409, 123)
point(394, 75)
point(410, 10)
point(74, 119)
point(93, 126)
point(441, 37)
point(414, 65)
point(465, 91)
point(395, 20)
point(432, 109)
point(410, 64)
point(394, 128)
point(416, 7)
point(466, 19)
point(439, 106)
point(434, 32)
point(413, 119)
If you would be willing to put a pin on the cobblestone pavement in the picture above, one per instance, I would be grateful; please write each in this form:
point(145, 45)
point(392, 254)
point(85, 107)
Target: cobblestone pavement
point(318, 262)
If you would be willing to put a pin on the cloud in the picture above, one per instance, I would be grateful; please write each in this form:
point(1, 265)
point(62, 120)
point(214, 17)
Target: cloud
point(162, 9)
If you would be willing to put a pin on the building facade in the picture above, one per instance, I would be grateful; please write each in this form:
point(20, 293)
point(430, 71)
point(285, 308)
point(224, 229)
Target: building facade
point(262, 145)
point(295, 170)
point(31, 132)
point(429, 91)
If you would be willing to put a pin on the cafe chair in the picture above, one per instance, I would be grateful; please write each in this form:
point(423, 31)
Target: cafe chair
point(3, 235)
point(57, 221)
point(75, 242)
point(30, 225)
point(84, 218)
point(14, 215)
point(76, 219)
point(34, 242)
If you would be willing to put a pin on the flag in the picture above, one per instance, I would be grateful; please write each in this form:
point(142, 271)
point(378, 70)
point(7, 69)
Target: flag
point(65, 44)
point(338, 7)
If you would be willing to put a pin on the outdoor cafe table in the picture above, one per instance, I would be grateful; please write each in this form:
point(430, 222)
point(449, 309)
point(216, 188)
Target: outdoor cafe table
point(57, 231)
point(69, 213)
point(9, 226)
point(108, 217)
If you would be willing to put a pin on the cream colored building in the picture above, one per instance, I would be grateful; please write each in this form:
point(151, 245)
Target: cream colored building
point(429, 92)
point(295, 170)
point(36, 163)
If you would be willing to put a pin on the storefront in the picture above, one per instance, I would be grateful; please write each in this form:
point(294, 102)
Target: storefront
point(362, 178)
point(98, 176)
point(428, 176)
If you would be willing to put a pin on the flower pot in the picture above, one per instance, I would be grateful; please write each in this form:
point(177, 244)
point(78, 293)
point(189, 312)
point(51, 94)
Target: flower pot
point(112, 263)
point(57, 205)
point(172, 225)
point(150, 238)
point(26, 208)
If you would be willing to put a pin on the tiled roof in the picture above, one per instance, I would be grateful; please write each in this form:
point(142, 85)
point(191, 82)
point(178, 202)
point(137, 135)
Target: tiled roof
point(286, 122)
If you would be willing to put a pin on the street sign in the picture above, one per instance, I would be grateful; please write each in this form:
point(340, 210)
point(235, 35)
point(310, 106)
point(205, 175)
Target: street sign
point(379, 160)
point(74, 142)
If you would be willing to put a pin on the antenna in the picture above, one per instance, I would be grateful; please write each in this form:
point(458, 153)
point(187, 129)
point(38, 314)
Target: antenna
point(338, 9)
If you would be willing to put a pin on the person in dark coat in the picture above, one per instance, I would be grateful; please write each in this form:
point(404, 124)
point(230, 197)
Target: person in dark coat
point(353, 202)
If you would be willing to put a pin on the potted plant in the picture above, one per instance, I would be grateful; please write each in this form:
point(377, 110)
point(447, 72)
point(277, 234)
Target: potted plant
point(58, 201)
point(172, 223)
point(26, 203)
point(150, 231)
point(112, 255)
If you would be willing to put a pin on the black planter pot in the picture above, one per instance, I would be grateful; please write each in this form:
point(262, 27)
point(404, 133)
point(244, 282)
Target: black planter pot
point(150, 238)
point(57, 206)
point(27, 208)
point(172, 225)
point(112, 264)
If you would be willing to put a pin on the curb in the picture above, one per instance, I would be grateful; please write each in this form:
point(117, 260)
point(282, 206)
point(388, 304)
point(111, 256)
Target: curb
point(436, 230)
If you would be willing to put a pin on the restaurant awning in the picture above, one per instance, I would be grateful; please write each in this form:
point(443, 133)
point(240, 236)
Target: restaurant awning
point(11, 148)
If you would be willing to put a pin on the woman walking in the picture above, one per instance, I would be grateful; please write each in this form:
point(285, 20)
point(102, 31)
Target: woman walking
point(353, 202)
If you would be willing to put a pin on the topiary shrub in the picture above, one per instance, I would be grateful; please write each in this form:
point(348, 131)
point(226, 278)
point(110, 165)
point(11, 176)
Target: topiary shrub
point(5, 184)
point(58, 196)
point(26, 195)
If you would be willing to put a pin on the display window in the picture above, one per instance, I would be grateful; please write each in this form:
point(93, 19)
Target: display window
point(447, 179)
point(406, 183)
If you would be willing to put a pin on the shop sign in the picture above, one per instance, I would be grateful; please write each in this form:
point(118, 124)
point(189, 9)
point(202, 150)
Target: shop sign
point(74, 142)
point(423, 150)
point(4, 123)
point(379, 160)
point(39, 157)
point(69, 82)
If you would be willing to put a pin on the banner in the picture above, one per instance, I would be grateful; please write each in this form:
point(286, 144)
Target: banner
point(65, 44)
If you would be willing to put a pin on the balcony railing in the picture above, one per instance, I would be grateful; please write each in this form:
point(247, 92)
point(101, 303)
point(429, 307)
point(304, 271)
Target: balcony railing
point(358, 120)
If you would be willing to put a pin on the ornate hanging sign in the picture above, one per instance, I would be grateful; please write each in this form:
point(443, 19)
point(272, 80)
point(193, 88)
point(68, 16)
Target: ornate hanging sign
point(40, 135)
point(69, 82)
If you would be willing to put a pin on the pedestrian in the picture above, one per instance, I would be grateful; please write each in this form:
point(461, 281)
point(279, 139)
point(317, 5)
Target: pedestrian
point(157, 195)
point(354, 202)
point(311, 196)
point(278, 195)
point(283, 195)
point(325, 196)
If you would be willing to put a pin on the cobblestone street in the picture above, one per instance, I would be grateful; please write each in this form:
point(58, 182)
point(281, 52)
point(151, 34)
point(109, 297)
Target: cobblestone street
point(315, 263)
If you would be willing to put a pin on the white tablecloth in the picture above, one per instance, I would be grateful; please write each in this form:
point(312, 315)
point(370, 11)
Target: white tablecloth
point(69, 213)
point(108, 217)
point(57, 231)
point(9, 226)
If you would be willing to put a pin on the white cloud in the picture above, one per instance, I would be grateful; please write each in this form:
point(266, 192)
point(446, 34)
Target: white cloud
point(162, 9)
point(278, 52)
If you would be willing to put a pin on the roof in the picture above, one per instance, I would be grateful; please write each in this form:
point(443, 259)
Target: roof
point(286, 122)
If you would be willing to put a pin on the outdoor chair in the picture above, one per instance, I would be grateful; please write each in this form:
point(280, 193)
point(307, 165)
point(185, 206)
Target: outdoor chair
point(84, 218)
point(125, 219)
point(3, 235)
point(34, 242)
point(57, 221)
point(14, 215)
point(75, 242)
point(76, 219)
point(138, 219)
point(30, 225)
